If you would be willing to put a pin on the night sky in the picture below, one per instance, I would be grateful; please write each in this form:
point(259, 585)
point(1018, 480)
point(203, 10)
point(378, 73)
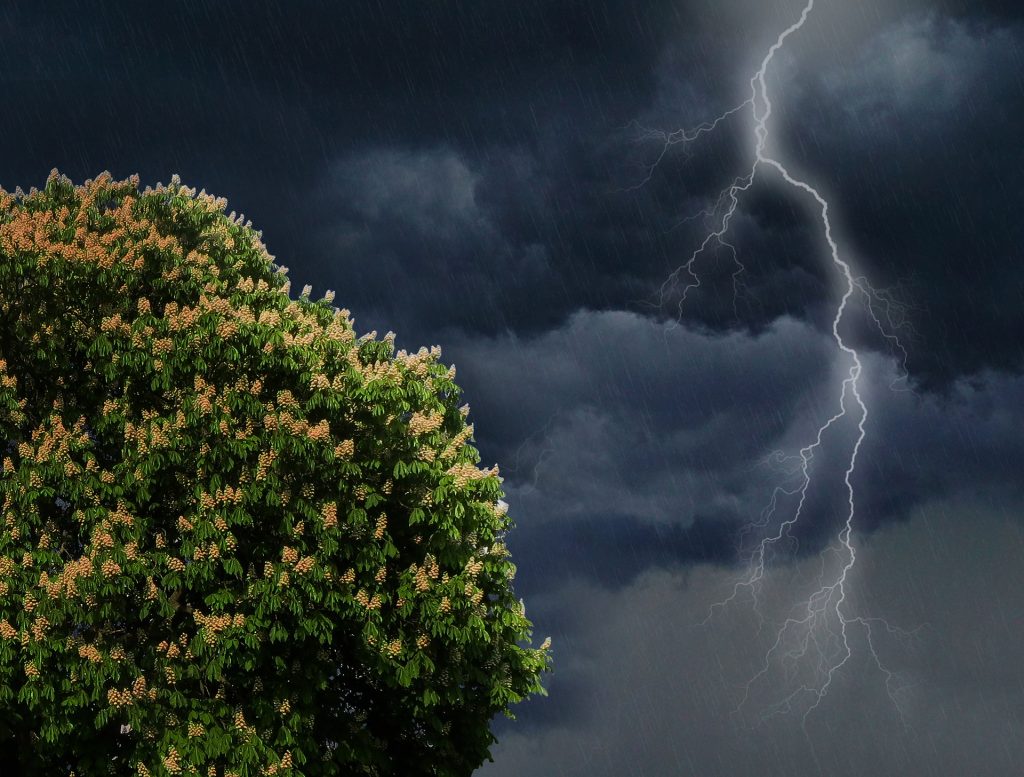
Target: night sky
point(492, 177)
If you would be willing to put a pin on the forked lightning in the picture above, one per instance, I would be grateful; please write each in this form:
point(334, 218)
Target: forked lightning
point(821, 630)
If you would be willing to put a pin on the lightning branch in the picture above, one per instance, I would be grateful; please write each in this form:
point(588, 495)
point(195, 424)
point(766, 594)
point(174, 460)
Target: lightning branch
point(815, 642)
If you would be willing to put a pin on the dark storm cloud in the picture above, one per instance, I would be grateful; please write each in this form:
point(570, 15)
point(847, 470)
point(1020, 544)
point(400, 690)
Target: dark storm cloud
point(403, 203)
point(617, 414)
point(875, 119)
point(635, 445)
point(985, 10)
point(265, 107)
point(354, 73)
point(301, 118)
point(906, 119)
point(917, 136)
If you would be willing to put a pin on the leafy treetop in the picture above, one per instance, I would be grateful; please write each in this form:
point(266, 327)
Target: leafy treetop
point(235, 539)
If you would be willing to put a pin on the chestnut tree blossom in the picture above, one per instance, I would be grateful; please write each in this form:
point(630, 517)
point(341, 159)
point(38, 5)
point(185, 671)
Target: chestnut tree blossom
point(235, 538)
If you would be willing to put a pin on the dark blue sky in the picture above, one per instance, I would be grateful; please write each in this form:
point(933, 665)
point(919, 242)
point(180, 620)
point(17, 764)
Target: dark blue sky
point(467, 174)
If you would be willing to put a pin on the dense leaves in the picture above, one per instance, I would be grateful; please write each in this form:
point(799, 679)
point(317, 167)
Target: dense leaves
point(236, 539)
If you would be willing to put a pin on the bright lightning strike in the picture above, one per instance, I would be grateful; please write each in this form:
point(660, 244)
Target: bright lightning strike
point(818, 639)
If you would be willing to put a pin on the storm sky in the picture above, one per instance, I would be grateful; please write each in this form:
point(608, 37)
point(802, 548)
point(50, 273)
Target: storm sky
point(481, 176)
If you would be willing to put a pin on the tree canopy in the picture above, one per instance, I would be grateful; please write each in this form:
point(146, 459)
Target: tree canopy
point(236, 538)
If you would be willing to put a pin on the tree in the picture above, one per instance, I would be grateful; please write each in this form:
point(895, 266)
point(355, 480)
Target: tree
point(236, 539)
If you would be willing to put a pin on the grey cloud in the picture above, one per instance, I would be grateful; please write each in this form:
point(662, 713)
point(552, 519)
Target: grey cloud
point(434, 190)
point(914, 136)
point(615, 414)
point(627, 444)
point(905, 118)
point(398, 221)
point(650, 691)
point(929, 66)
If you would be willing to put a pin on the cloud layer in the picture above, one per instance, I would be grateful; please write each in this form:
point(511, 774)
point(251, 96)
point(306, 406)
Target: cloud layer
point(491, 152)
point(651, 691)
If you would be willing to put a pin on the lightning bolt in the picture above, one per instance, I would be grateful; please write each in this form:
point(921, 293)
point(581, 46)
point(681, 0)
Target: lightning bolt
point(819, 634)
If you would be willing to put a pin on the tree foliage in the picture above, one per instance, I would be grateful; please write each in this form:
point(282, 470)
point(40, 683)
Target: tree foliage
point(236, 539)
